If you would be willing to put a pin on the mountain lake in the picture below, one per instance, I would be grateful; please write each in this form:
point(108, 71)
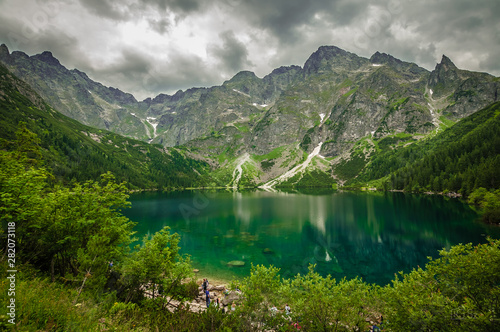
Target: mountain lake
point(346, 234)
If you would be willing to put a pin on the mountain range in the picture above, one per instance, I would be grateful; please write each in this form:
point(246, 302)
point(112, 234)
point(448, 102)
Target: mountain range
point(318, 124)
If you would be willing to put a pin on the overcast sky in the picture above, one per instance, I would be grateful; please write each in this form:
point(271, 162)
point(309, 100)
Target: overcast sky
point(150, 46)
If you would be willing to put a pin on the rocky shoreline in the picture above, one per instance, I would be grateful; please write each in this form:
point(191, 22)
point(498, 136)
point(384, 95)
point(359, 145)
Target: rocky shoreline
point(218, 290)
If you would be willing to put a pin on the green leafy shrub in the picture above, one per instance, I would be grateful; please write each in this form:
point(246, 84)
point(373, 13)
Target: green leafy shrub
point(489, 202)
point(457, 292)
point(47, 306)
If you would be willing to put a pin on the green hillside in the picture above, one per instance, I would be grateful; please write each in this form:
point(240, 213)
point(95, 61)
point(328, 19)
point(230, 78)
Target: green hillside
point(460, 159)
point(76, 152)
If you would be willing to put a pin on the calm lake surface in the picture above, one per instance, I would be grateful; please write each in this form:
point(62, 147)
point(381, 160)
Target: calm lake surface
point(371, 235)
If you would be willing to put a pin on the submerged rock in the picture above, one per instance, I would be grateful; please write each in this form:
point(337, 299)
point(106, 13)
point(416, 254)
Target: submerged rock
point(268, 251)
point(236, 263)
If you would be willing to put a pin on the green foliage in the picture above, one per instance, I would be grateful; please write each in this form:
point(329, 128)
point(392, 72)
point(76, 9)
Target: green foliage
point(242, 127)
point(316, 302)
point(156, 263)
point(325, 305)
point(458, 291)
point(489, 202)
point(306, 140)
point(75, 152)
point(69, 231)
point(389, 141)
point(446, 122)
point(275, 153)
point(348, 169)
point(315, 178)
point(266, 165)
point(42, 305)
point(459, 159)
point(263, 123)
point(262, 289)
point(131, 317)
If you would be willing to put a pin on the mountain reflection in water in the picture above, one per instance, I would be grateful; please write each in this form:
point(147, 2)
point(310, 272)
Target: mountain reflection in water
point(371, 235)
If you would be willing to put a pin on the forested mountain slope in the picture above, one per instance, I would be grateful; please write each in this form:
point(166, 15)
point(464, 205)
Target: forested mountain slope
point(462, 158)
point(295, 126)
point(78, 152)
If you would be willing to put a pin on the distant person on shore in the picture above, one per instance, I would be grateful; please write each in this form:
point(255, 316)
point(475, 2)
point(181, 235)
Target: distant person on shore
point(207, 294)
point(274, 310)
point(287, 309)
point(204, 285)
point(216, 304)
point(233, 307)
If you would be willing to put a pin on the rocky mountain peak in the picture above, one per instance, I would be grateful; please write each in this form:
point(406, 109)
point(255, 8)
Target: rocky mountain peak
point(399, 65)
point(330, 50)
point(48, 58)
point(246, 82)
point(19, 55)
point(163, 98)
point(5, 56)
point(342, 92)
point(384, 58)
point(446, 64)
point(326, 54)
point(282, 76)
point(243, 76)
point(4, 50)
point(80, 73)
point(332, 58)
point(284, 70)
point(445, 74)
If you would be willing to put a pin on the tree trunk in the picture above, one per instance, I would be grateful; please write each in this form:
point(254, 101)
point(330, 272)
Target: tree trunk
point(52, 264)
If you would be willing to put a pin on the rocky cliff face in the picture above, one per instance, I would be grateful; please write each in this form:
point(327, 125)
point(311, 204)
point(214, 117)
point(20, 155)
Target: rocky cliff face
point(462, 91)
point(336, 100)
point(74, 94)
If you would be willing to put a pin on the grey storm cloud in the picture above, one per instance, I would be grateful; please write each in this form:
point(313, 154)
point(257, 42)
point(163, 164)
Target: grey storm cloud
point(132, 62)
point(106, 8)
point(232, 55)
point(223, 37)
point(286, 18)
point(128, 9)
point(189, 71)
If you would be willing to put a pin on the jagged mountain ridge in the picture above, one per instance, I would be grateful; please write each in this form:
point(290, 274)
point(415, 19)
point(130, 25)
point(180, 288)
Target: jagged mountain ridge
point(75, 95)
point(76, 152)
point(335, 100)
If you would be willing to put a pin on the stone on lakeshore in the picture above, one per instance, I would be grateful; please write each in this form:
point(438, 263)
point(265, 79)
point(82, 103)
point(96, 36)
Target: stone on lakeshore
point(196, 270)
point(219, 287)
point(216, 288)
point(230, 298)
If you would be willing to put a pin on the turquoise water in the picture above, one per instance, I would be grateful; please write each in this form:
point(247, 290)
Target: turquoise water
point(371, 235)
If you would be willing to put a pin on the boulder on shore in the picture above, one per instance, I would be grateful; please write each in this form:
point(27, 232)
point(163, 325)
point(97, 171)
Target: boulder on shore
point(230, 298)
point(216, 288)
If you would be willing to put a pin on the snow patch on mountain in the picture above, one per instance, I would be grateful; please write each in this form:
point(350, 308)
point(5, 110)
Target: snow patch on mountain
point(299, 168)
point(239, 169)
